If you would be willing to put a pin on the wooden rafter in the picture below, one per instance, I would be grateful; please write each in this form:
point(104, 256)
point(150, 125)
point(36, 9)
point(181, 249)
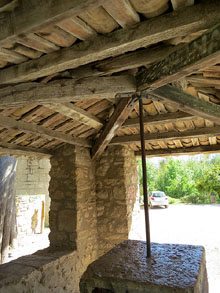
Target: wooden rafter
point(198, 54)
point(42, 131)
point(159, 119)
point(152, 31)
point(77, 114)
point(61, 91)
point(182, 151)
point(17, 150)
point(188, 103)
point(38, 15)
point(164, 136)
point(123, 62)
point(120, 114)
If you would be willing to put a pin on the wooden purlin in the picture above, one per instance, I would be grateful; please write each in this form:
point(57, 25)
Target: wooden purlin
point(198, 54)
point(202, 149)
point(166, 136)
point(159, 119)
point(13, 149)
point(65, 90)
point(77, 114)
point(188, 103)
point(40, 130)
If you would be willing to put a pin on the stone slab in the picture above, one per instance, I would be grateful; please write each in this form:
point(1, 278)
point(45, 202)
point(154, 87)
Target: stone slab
point(126, 269)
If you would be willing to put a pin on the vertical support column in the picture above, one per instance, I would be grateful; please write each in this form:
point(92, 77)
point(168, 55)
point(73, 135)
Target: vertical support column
point(73, 207)
point(116, 188)
point(144, 170)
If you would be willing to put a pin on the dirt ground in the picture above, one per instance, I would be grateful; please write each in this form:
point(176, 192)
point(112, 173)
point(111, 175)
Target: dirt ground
point(29, 244)
point(186, 224)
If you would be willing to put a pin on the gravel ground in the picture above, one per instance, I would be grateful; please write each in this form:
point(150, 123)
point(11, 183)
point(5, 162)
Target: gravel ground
point(186, 224)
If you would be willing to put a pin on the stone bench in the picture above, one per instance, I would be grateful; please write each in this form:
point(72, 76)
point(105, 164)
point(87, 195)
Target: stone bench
point(125, 269)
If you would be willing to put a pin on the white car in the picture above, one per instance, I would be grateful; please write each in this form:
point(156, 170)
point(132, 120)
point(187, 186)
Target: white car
point(158, 198)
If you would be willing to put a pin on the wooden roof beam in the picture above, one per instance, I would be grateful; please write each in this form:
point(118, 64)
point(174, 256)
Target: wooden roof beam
point(62, 91)
point(143, 34)
point(17, 150)
point(77, 114)
point(159, 119)
point(188, 103)
point(198, 54)
point(166, 136)
point(123, 109)
point(37, 15)
point(123, 62)
point(203, 149)
point(11, 123)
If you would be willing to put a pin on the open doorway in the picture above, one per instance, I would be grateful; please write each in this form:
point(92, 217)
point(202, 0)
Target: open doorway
point(31, 207)
point(192, 185)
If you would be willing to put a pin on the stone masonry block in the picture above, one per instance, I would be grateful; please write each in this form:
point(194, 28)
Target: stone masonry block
point(67, 221)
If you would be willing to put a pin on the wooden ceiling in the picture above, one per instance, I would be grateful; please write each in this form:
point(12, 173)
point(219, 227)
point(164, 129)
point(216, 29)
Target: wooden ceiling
point(71, 71)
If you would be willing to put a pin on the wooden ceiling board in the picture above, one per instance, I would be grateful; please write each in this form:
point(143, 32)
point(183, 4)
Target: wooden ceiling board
point(150, 8)
point(99, 20)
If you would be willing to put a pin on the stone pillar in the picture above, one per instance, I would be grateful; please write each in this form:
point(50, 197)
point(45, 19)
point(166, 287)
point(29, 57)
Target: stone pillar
point(73, 207)
point(116, 188)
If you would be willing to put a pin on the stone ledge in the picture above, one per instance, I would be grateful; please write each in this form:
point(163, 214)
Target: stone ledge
point(41, 272)
point(172, 268)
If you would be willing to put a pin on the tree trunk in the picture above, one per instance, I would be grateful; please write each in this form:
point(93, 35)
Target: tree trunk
point(7, 205)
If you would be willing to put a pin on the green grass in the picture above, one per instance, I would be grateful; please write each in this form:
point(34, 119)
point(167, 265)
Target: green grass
point(172, 200)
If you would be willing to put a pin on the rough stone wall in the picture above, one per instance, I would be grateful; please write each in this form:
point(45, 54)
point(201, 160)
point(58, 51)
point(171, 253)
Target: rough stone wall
point(73, 205)
point(116, 189)
point(81, 203)
point(32, 178)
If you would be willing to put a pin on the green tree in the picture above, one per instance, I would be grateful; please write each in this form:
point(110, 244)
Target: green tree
point(151, 175)
point(210, 182)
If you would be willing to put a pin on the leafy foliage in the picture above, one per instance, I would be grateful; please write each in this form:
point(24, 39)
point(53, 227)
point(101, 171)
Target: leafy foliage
point(191, 181)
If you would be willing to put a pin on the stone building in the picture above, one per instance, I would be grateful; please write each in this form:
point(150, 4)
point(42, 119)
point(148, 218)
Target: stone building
point(71, 76)
point(32, 196)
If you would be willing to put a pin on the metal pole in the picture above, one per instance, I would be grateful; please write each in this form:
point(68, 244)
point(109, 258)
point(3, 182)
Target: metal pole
point(144, 172)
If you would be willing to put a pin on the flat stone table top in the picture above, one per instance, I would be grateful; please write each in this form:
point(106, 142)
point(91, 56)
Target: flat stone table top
point(125, 268)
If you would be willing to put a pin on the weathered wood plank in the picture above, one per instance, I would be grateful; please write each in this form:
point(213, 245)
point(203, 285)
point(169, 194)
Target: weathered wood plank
point(182, 151)
point(33, 15)
point(99, 20)
point(44, 132)
point(159, 119)
point(17, 150)
point(123, 62)
point(178, 4)
point(198, 79)
point(78, 28)
point(150, 8)
point(38, 43)
point(122, 11)
point(167, 26)
point(77, 114)
point(168, 136)
point(57, 36)
point(188, 103)
point(65, 91)
point(10, 56)
point(23, 50)
point(200, 53)
point(120, 114)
